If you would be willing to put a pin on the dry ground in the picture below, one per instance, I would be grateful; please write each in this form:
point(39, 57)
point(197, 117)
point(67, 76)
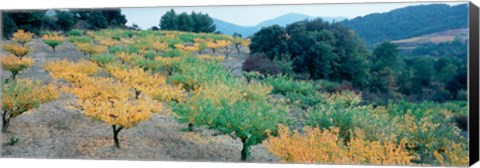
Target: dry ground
point(55, 131)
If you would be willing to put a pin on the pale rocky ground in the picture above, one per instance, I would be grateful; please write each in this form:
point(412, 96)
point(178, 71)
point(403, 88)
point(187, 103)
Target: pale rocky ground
point(55, 131)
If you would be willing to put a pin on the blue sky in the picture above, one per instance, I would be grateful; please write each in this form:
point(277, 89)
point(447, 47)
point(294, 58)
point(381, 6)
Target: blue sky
point(252, 15)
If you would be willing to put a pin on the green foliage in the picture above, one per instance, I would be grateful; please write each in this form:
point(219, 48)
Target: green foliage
point(21, 95)
point(284, 84)
point(172, 53)
point(320, 49)
point(194, 72)
point(394, 25)
point(272, 41)
point(65, 20)
point(456, 48)
point(80, 39)
point(232, 111)
point(103, 59)
point(146, 64)
point(194, 22)
point(75, 32)
point(30, 21)
point(8, 26)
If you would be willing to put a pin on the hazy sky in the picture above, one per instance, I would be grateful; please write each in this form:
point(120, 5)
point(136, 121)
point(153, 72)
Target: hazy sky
point(252, 15)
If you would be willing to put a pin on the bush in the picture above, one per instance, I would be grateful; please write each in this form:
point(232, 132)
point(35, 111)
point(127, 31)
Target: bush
point(262, 65)
point(75, 32)
point(52, 39)
point(193, 72)
point(284, 84)
point(103, 59)
point(80, 39)
point(325, 146)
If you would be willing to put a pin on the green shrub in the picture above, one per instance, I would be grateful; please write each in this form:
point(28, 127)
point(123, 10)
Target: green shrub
point(228, 111)
point(194, 72)
point(103, 59)
point(75, 32)
point(284, 84)
point(80, 39)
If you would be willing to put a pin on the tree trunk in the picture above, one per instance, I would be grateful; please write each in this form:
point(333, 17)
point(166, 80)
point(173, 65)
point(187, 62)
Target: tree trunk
point(137, 93)
point(53, 49)
point(14, 75)
point(190, 127)
point(115, 135)
point(245, 151)
point(238, 49)
point(5, 121)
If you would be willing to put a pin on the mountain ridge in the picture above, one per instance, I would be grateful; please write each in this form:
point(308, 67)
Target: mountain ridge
point(282, 20)
point(422, 19)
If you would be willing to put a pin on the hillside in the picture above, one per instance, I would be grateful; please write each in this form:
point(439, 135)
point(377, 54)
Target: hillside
point(230, 28)
point(409, 22)
point(435, 38)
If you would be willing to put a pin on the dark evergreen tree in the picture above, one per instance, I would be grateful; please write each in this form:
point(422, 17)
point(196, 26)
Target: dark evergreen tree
point(272, 41)
point(97, 20)
point(8, 26)
point(203, 23)
point(385, 65)
point(169, 21)
point(114, 17)
point(184, 22)
point(65, 20)
point(31, 21)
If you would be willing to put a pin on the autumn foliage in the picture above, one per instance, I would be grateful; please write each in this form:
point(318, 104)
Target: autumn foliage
point(91, 49)
point(15, 64)
point(325, 146)
point(17, 50)
point(21, 95)
point(22, 37)
point(147, 83)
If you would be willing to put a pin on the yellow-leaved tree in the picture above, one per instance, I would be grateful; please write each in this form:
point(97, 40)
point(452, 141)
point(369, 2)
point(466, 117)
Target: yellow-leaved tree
point(225, 45)
point(104, 98)
point(22, 37)
point(169, 64)
point(74, 73)
point(108, 100)
point(151, 84)
point(325, 146)
point(212, 45)
point(15, 64)
point(19, 96)
point(238, 42)
point(17, 50)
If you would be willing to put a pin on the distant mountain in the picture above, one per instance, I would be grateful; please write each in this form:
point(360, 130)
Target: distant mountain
point(293, 17)
point(409, 22)
point(230, 28)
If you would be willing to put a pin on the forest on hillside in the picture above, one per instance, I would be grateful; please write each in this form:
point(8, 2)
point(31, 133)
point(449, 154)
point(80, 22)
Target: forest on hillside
point(308, 92)
point(409, 22)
